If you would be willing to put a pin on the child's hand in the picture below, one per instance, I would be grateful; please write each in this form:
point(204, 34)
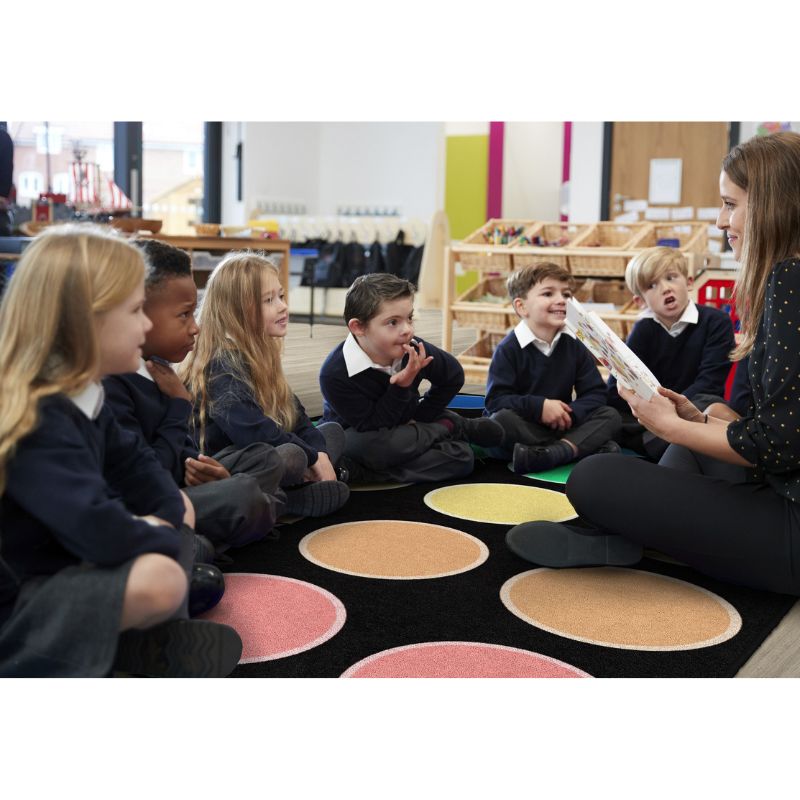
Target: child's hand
point(555, 414)
point(204, 469)
point(166, 380)
point(685, 408)
point(416, 361)
point(321, 469)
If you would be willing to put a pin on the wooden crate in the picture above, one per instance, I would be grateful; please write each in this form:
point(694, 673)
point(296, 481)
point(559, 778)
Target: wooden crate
point(484, 252)
point(469, 312)
point(604, 248)
point(476, 358)
point(692, 237)
point(549, 232)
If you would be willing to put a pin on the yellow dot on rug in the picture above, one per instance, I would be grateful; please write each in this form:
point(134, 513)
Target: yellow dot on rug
point(393, 549)
point(624, 608)
point(500, 503)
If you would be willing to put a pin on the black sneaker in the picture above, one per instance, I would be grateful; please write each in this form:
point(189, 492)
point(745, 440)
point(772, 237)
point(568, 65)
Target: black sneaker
point(181, 648)
point(551, 544)
point(609, 447)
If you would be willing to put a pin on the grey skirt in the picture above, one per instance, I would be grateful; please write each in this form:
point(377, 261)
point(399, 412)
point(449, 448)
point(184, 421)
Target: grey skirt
point(65, 625)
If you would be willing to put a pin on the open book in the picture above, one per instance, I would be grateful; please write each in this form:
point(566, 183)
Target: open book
point(610, 350)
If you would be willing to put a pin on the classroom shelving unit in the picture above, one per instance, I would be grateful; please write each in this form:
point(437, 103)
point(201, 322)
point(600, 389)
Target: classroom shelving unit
point(596, 254)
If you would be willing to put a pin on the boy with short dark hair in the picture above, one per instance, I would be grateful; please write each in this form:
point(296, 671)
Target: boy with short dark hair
point(534, 372)
point(685, 345)
point(370, 386)
point(235, 495)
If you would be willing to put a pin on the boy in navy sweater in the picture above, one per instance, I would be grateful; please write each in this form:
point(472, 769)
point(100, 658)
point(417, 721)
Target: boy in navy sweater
point(685, 345)
point(534, 373)
point(370, 386)
point(235, 495)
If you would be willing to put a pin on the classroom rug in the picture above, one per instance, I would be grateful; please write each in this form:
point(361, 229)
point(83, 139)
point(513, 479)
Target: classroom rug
point(389, 586)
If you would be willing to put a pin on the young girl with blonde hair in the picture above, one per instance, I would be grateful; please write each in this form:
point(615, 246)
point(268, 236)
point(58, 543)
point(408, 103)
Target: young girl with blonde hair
point(89, 519)
point(241, 394)
point(729, 502)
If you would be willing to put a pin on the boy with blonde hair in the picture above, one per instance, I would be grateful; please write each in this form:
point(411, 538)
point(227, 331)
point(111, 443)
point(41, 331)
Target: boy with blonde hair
point(544, 387)
point(685, 345)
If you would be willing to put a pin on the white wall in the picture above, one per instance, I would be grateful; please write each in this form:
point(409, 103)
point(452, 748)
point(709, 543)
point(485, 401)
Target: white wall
point(380, 165)
point(586, 172)
point(532, 164)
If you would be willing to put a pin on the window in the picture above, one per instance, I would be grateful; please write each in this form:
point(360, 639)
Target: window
point(172, 174)
point(29, 185)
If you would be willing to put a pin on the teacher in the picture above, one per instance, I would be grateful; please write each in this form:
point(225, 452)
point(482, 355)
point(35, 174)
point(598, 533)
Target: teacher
point(725, 498)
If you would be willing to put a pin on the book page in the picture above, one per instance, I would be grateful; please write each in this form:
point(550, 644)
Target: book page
point(610, 350)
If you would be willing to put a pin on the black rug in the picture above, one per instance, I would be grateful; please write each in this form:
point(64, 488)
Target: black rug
point(466, 607)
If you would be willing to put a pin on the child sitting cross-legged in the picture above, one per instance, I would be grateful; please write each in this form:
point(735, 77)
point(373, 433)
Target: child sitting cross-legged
point(236, 494)
point(370, 385)
point(544, 387)
point(685, 345)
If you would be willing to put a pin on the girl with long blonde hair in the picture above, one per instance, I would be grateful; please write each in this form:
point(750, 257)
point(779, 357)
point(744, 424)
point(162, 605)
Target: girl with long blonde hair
point(236, 378)
point(729, 502)
point(87, 516)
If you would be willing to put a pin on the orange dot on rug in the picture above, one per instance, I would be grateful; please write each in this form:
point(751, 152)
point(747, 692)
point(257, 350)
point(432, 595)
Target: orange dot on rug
point(461, 660)
point(393, 549)
point(625, 608)
point(500, 503)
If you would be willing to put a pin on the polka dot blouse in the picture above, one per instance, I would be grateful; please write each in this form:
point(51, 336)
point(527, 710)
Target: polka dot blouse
point(770, 437)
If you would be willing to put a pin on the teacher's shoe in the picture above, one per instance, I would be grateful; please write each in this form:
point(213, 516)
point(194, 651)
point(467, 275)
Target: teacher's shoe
point(552, 544)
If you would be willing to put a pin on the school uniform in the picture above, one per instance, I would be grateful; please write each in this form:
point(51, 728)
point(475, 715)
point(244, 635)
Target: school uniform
point(376, 414)
point(231, 512)
point(690, 357)
point(76, 487)
point(525, 371)
point(236, 419)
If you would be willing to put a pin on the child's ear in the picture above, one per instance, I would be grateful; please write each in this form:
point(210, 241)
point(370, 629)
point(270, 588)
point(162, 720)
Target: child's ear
point(356, 327)
point(517, 305)
point(639, 302)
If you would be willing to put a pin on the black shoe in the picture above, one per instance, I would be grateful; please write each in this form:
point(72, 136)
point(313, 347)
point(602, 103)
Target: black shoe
point(181, 648)
point(206, 587)
point(539, 458)
point(204, 550)
point(317, 499)
point(482, 431)
point(356, 472)
point(609, 447)
point(552, 544)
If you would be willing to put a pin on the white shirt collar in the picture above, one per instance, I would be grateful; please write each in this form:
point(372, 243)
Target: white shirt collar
point(356, 360)
point(689, 317)
point(143, 371)
point(526, 336)
point(90, 400)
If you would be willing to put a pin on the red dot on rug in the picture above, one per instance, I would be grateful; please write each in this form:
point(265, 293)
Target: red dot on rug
point(277, 616)
point(461, 660)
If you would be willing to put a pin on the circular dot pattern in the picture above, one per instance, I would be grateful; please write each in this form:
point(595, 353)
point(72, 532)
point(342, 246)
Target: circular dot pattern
point(500, 503)
point(275, 616)
point(624, 608)
point(393, 549)
point(461, 660)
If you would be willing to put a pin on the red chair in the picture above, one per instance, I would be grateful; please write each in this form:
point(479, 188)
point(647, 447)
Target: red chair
point(719, 292)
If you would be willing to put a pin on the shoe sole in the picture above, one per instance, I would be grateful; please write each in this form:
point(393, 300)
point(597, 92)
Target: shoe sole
point(553, 545)
point(180, 649)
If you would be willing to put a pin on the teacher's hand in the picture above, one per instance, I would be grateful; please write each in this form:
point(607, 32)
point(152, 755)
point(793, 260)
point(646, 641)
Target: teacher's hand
point(685, 408)
point(658, 414)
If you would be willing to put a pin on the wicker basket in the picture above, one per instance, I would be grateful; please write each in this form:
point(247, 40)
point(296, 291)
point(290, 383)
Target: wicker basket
point(551, 233)
point(482, 252)
point(470, 312)
point(476, 358)
point(207, 229)
point(600, 250)
point(607, 290)
point(692, 237)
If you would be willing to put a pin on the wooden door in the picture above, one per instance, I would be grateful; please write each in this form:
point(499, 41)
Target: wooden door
point(701, 146)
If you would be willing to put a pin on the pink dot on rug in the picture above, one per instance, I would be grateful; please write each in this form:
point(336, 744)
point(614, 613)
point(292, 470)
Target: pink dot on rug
point(461, 660)
point(277, 616)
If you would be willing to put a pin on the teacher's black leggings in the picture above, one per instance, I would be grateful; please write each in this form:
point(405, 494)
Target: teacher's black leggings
point(706, 513)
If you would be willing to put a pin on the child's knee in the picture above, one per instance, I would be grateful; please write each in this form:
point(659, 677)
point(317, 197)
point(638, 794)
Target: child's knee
point(157, 584)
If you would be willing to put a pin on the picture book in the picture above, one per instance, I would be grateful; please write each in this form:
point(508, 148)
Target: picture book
point(610, 350)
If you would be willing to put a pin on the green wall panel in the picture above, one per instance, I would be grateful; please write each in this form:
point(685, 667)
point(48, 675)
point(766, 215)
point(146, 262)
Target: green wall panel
point(466, 176)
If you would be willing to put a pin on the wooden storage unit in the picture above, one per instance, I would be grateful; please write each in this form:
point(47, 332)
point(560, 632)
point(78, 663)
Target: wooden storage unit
point(565, 234)
point(605, 248)
point(487, 253)
point(692, 237)
point(470, 311)
point(476, 358)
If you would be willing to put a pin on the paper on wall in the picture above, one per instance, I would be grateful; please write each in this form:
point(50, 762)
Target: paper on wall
point(655, 213)
point(665, 180)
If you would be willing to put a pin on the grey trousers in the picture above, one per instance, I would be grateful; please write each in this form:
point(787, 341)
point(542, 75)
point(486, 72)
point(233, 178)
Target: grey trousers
point(421, 452)
point(601, 425)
